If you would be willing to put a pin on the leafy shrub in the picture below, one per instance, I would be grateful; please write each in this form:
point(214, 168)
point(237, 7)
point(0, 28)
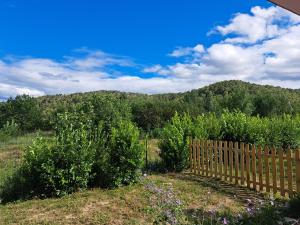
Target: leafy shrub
point(174, 143)
point(119, 155)
point(208, 127)
point(10, 128)
point(233, 126)
point(80, 155)
point(256, 130)
point(63, 165)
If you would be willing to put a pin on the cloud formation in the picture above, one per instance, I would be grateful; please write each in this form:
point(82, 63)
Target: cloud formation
point(262, 47)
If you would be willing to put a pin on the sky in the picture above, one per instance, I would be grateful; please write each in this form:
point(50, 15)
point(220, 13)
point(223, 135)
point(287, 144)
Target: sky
point(145, 46)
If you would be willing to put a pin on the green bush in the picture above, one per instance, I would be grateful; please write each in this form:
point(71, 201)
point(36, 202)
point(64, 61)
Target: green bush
point(233, 126)
point(80, 155)
point(256, 130)
point(63, 165)
point(207, 126)
point(10, 129)
point(126, 154)
point(174, 142)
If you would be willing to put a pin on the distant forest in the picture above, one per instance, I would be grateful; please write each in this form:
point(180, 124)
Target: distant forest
point(151, 112)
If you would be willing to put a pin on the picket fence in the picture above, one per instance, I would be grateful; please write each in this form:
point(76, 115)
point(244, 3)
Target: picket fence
point(264, 169)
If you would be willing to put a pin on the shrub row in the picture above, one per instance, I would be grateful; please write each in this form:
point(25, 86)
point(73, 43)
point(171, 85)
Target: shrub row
point(82, 154)
point(281, 131)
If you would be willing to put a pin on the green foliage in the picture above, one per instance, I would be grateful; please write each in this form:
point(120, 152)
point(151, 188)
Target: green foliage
point(233, 126)
point(24, 110)
point(81, 154)
point(150, 112)
point(63, 165)
point(126, 154)
point(174, 142)
point(10, 129)
point(208, 127)
point(293, 207)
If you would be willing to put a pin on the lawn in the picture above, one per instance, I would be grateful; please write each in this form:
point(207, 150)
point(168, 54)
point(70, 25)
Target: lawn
point(125, 205)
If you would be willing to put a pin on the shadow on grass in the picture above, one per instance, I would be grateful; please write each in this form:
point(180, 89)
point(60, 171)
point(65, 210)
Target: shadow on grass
point(235, 192)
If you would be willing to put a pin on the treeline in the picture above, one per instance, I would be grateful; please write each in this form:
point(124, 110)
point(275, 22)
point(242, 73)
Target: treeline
point(279, 131)
point(151, 112)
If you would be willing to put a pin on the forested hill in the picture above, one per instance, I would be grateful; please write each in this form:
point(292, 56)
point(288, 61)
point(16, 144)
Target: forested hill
point(152, 111)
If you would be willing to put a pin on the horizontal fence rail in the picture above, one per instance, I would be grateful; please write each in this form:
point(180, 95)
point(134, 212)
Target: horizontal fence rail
point(260, 168)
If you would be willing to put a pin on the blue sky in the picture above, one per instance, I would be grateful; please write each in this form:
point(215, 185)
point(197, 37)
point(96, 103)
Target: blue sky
point(60, 46)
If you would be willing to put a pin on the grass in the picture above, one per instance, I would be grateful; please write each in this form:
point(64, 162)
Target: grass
point(126, 205)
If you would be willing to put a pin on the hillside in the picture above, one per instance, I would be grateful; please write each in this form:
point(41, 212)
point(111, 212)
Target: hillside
point(152, 111)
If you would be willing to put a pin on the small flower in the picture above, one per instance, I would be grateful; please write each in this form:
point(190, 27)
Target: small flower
point(225, 221)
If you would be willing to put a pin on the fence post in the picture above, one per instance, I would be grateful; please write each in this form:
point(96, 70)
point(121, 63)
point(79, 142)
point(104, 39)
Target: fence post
point(297, 154)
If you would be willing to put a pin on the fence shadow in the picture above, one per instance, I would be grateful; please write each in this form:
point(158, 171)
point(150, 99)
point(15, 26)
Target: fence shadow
point(235, 192)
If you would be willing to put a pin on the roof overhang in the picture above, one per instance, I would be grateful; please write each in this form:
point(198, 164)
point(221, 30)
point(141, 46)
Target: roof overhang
point(291, 5)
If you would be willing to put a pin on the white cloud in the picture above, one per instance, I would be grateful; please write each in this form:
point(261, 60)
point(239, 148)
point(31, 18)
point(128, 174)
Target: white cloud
point(264, 50)
point(260, 25)
point(180, 51)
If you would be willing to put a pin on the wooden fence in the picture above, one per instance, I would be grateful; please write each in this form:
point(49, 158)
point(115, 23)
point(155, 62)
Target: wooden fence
point(260, 168)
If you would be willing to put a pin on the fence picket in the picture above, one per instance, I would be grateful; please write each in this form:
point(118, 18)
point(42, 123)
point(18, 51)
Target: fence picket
point(281, 172)
point(297, 157)
point(191, 155)
point(260, 170)
point(274, 170)
point(253, 166)
point(289, 171)
point(236, 159)
point(226, 160)
point(220, 159)
point(267, 169)
point(216, 158)
point(195, 157)
point(248, 165)
point(198, 156)
point(230, 161)
point(242, 164)
point(211, 158)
